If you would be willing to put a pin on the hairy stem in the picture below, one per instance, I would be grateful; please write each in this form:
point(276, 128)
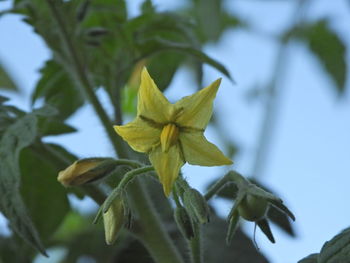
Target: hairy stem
point(83, 80)
point(195, 244)
point(153, 234)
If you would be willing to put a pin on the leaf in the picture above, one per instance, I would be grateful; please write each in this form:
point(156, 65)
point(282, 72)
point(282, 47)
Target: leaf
point(330, 49)
point(58, 90)
point(309, 259)
point(54, 127)
point(337, 249)
point(6, 80)
point(164, 65)
point(44, 197)
point(158, 44)
point(212, 19)
point(17, 136)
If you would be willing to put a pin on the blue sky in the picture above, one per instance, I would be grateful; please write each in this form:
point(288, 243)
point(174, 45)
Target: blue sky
point(308, 160)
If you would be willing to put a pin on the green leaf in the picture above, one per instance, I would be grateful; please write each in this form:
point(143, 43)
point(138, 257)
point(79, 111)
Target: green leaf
point(44, 197)
point(6, 80)
point(58, 90)
point(337, 249)
point(157, 44)
point(164, 65)
point(330, 49)
point(212, 19)
point(17, 136)
point(54, 127)
point(309, 259)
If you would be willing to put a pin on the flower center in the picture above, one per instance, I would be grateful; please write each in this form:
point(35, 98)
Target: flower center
point(169, 136)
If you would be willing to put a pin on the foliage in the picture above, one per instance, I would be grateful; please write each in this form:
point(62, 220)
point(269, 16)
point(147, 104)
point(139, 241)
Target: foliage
point(96, 45)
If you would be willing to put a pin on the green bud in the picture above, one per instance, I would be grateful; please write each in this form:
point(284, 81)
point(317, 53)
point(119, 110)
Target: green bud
point(86, 170)
point(252, 208)
point(196, 206)
point(113, 220)
point(183, 222)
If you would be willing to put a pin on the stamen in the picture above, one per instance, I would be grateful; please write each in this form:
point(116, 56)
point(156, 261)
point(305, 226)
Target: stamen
point(169, 136)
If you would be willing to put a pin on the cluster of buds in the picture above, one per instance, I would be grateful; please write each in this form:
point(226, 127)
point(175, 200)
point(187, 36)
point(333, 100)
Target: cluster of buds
point(89, 170)
point(192, 209)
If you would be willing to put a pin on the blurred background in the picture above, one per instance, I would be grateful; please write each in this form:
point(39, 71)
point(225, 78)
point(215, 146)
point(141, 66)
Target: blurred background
point(285, 118)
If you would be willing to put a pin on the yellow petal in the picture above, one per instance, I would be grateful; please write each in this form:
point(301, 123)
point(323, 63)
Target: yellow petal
point(151, 102)
point(198, 150)
point(197, 108)
point(139, 135)
point(167, 165)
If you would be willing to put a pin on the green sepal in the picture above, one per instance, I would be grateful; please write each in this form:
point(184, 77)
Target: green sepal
point(183, 222)
point(196, 206)
point(232, 227)
point(263, 224)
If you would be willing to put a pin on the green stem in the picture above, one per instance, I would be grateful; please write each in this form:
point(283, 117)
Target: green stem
point(153, 234)
point(274, 90)
point(216, 187)
point(195, 244)
point(123, 184)
point(84, 82)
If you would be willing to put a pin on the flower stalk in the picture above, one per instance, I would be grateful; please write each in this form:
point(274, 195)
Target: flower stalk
point(153, 234)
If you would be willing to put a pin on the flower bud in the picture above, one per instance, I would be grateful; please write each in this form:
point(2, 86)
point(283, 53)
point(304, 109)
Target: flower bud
point(183, 222)
point(86, 171)
point(196, 206)
point(113, 220)
point(252, 208)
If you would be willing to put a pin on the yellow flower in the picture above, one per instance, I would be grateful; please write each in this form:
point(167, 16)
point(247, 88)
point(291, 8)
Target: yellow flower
point(172, 134)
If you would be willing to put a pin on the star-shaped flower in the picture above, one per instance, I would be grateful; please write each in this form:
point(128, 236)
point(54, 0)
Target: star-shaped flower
point(172, 134)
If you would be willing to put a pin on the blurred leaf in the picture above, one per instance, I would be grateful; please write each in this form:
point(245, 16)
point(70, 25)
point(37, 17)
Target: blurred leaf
point(58, 90)
point(212, 19)
point(6, 81)
point(329, 48)
point(73, 224)
point(147, 7)
point(156, 45)
point(135, 252)
point(309, 259)
point(17, 136)
point(241, 249)
point(44, 197)
point(164, 65)
point(54, 127)
point(337, 249)
point(9, 251)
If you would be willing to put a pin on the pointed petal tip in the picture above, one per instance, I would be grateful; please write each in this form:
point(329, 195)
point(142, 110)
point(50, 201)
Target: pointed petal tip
point(145, 73)
point(166, 189)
